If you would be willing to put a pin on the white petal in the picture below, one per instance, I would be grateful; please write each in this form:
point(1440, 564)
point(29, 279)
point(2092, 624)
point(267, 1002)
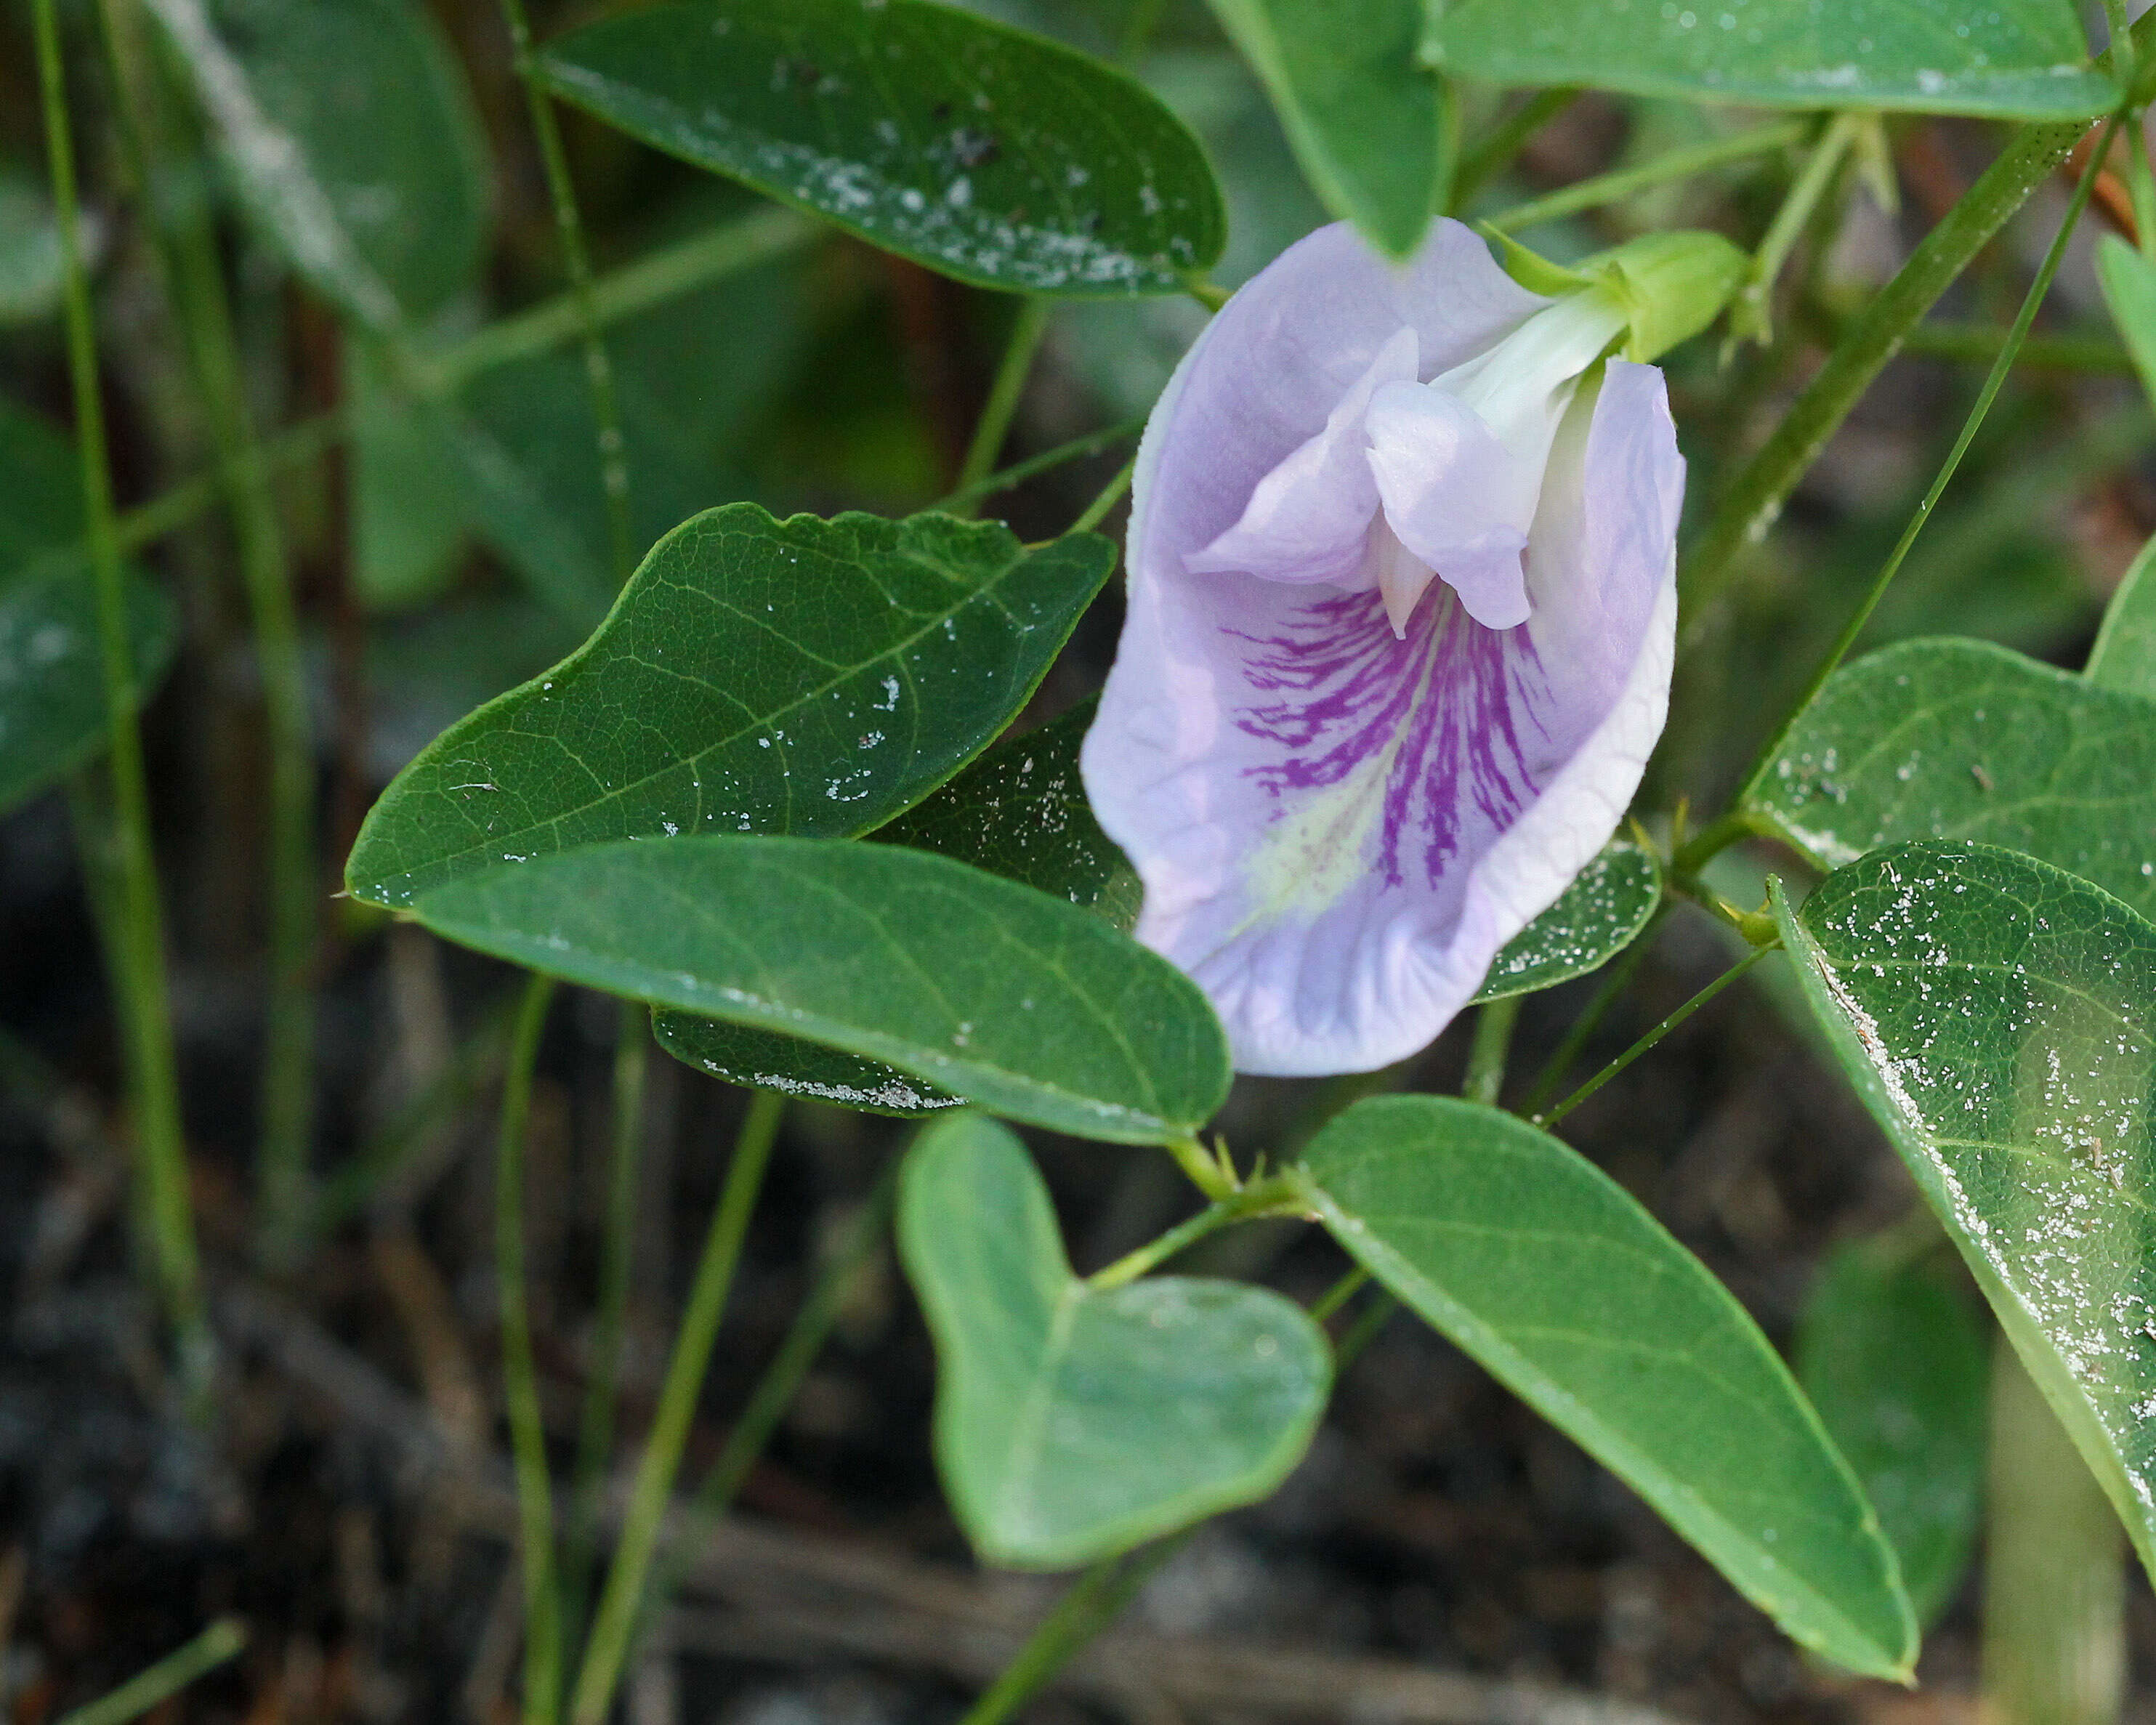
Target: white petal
point(1457, 498)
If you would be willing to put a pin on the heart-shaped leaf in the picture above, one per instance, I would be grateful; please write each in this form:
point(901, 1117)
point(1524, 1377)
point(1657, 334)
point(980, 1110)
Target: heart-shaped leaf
point(52, 669)
point(989, 154)
point(1552, 1276)
point(800, 676)
point(353, 140)
point(1361, 114)
point(1954, 739)
point(1893, 1358)
point(1600, 913)
point(2022, 58)
point(1072, 1422)
point(1997, 1016)
point(988, 989)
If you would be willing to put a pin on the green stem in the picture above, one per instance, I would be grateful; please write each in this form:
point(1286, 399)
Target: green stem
point(137, 947)
point(1093, 1601)
point(1974, 343)
point(599, 366)
point(1004, 394)
point(2054, 1649)
point(535, 1499)
point(169, 1676)
point(1485, 1058)
point(1763, 763)
point(1339, 1294)
point(1277, 1195)
point(1097, 512)
point(1749, 314)
point(1675, 165)
point(1652, 1037)
point(775, 1389)
point(618, 1605)
point(632, 1060)
point(1754, 498)
point(195, 282)
point(1495, 151)
point(1613, 984)
point(1019, 472)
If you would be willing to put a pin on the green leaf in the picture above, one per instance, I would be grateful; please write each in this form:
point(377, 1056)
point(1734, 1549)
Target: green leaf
point(1361, 114)
point(991, 155)
point(348, 129)
point(987, 988)
point(768, 1059)
point(2124, 656)
point(408, 503)
point(1553, 1277)
point(2128, 281)
point(52, 668)
point(1020, 812)
point(801, 676)
point(2026, 59)
point(1600, 913)
point(1072, 1423)
point(1954, 739)
point(1896, 1365)
point(1997, 1016)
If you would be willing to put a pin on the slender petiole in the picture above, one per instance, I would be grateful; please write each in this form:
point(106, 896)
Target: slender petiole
point(135, 947)
point(1001, 407)
point(1763, 763)
point(527, 1430)
point(1748, 311)
point(1274, 1195)
point(1495, 153)
point(619, 1603)
point(1019, 472)
point(1494, 1022)
point(1554, 1115)
point(166, 1678)
point(1675, 165)
point(1613, 984)
point(568, 222)
point(1097, 512)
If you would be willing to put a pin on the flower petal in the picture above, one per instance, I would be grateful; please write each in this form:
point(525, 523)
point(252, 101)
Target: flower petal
point(1457, 499)
point(1338, 828)
point(1309, 519)
point(1265, 374)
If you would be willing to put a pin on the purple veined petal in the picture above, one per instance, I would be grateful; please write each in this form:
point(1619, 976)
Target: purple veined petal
point(1265, 374)
point(1338, 828)
point(1458, 500)
point(1309, 519)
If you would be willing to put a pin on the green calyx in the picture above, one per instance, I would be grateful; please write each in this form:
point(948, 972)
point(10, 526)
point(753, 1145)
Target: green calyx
point(1671, 286)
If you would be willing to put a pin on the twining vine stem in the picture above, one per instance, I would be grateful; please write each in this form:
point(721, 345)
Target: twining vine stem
point(135, 944)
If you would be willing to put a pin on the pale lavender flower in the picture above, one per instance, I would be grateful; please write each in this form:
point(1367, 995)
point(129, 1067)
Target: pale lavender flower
point(1402, 606)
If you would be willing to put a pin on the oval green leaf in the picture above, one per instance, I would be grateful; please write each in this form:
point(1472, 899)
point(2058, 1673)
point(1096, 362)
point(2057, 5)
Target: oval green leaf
point(1955, 739)
point(1073, 1423)
point(1893, 1358)
point(353, 141)
point(767, 1059)
point(801, 676)
point(986, 988)
point(2023, 59)
point(1997, 1016)
point(989, 154)
point(52, 668)
point(1554, 1278)
point(1361, 114)
point(1020, 812)
point(1600, 913)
